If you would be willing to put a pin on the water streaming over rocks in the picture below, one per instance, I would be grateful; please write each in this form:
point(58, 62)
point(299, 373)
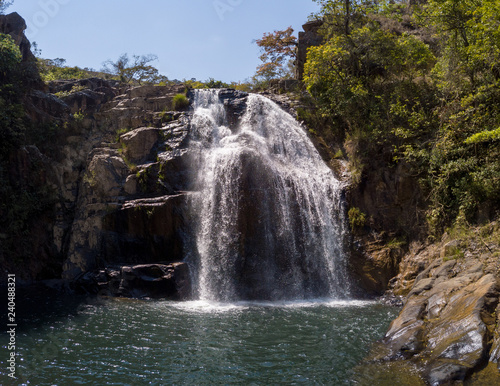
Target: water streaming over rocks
point(267, 213)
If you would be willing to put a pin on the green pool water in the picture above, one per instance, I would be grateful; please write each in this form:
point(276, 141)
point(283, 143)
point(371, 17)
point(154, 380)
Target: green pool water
point(131, 342)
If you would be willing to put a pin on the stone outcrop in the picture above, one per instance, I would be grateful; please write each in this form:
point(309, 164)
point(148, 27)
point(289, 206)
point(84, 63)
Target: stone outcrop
point(14, 25)
point(142, 106)
point(449, 324)
point(308, 38)
point(138, 144)
point(372, 266)
point(84, 95)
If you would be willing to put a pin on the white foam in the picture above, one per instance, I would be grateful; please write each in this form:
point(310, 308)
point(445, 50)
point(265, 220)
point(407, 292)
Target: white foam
point(207, 306)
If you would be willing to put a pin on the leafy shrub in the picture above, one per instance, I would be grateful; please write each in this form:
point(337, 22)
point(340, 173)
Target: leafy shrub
point(357, 219)
point(10, 56)
point(427, 95)
point(120, 132)
point(78, 116)
point(484, 136)
point(50, 71)
point(180, 102)
point(75, 88)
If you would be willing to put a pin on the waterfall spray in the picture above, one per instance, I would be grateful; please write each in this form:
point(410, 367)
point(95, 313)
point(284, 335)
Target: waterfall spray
point(267, 212)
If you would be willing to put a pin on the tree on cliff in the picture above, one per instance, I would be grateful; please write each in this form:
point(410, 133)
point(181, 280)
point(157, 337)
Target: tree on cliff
point(278, 49)
point(4, 4)
point(137, 69)
point(420, 83)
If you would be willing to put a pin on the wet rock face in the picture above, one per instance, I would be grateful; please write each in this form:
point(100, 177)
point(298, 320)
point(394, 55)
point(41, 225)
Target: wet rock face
point(390, 199)
point(447, 323)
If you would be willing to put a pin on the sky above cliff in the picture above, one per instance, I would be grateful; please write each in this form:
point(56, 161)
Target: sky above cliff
point(192, 38)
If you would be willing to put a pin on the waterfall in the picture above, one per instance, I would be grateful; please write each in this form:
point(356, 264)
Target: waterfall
point(267, 213)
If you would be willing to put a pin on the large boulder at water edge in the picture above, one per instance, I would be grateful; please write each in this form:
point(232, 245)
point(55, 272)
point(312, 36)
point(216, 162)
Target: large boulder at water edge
point(448, 321)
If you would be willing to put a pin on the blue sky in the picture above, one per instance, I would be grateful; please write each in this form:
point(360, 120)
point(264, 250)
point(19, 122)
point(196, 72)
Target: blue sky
point(192, 38)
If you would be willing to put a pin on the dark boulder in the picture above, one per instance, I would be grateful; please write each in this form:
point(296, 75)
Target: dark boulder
point(158, 281)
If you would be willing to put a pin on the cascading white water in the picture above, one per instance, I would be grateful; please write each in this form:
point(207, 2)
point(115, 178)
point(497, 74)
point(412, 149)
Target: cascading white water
point(267, 212)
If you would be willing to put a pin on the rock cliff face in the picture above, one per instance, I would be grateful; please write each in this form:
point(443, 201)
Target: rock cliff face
point(14, 25)
point(118, 172)
point(124, 211)
point(308, 38)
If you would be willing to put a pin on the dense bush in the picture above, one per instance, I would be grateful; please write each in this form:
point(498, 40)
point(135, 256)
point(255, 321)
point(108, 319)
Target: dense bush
point(24, 195)
point(420, 84)
point(12, 126)
point(180, 102)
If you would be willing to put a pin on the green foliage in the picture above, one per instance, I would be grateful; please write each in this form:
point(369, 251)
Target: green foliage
point(395, 243)
point(12, 115)
point(10, 56)
point(120, 132)
point(25, 197)
point(74, 89)
point(180, 102)
point(4, 4)
point(210, 83)
point(165, 116)
point(90, 178)
point(357, 218)
point(122, 150)
point(143, 177)
point(132, 167)
point(54, 69)
point(417, 85)
point(358, 77)
point(78, 116)
point(484, 136)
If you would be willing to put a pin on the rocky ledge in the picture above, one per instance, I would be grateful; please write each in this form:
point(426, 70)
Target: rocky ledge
point(449, 325)
point(144, 281)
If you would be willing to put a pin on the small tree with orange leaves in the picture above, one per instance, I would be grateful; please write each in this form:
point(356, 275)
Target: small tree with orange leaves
point(278, 49)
